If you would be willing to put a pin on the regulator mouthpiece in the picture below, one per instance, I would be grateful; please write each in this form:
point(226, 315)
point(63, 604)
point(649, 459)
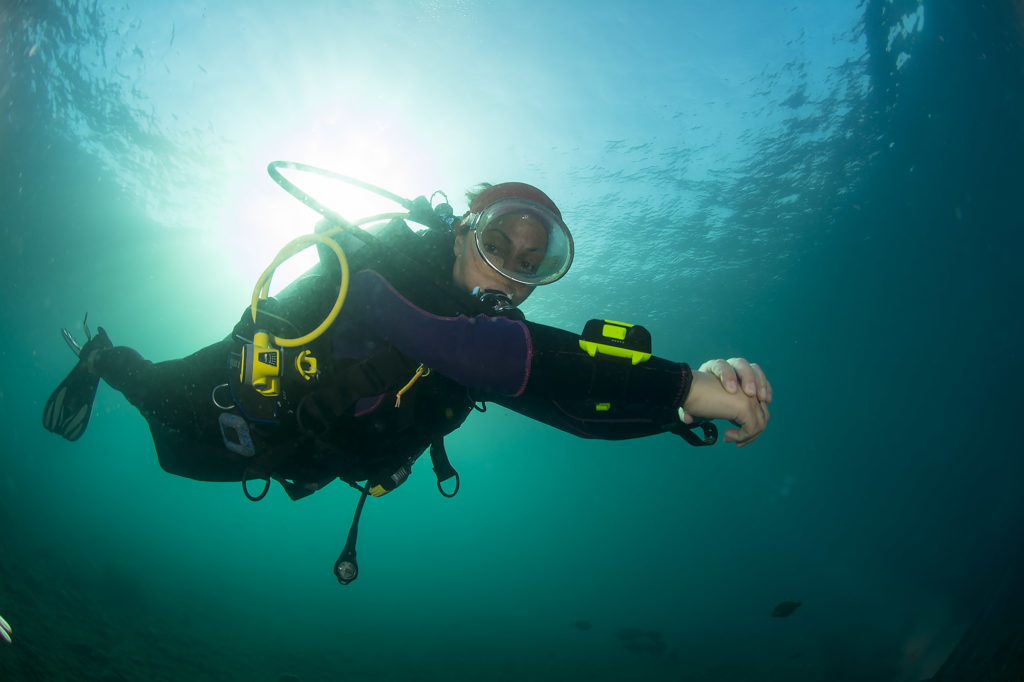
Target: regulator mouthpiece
point(497, 300)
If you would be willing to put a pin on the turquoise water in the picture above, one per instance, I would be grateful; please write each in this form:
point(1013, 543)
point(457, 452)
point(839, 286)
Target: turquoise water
point(828, 188)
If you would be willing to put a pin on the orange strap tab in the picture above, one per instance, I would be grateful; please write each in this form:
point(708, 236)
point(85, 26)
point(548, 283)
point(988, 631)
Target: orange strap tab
point(421, 371)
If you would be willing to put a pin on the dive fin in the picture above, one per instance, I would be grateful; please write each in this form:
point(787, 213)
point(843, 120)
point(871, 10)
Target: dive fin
point(68, 409)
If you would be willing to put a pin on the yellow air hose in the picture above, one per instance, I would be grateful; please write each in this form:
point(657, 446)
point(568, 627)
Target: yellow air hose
point(262, 289)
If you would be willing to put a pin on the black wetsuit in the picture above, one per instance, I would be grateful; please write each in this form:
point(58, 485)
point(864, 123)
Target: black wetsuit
point(396, 318)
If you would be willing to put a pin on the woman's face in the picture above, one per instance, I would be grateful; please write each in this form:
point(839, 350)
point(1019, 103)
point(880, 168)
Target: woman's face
point(515, 243)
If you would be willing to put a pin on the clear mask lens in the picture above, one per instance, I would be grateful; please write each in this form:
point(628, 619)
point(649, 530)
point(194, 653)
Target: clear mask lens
point(523, 241)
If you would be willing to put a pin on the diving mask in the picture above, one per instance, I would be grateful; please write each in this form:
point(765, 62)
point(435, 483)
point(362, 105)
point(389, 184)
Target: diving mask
point(522, 240)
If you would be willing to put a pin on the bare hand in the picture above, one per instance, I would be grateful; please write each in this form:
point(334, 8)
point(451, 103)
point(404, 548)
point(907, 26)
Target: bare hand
point(739, 373)
point(710, 399)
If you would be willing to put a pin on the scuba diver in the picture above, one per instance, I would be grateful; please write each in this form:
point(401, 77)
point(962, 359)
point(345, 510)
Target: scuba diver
point(416, 330)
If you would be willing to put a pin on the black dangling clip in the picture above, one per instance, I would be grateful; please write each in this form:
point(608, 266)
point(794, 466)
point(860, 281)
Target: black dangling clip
point(687, 431)
point(443, 468)
point(245, 486)
point(345, 568)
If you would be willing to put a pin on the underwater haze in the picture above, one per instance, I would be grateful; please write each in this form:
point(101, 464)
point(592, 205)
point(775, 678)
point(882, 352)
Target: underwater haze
point(830, 188)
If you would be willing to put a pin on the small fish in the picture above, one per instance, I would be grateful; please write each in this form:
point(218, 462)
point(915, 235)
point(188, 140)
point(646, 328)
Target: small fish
point(785, 609)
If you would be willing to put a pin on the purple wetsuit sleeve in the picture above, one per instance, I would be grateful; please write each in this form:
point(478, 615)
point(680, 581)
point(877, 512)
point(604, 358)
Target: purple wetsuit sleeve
point(492, 354)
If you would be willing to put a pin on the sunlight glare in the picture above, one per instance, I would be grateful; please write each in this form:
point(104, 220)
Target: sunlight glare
point(262, 217)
